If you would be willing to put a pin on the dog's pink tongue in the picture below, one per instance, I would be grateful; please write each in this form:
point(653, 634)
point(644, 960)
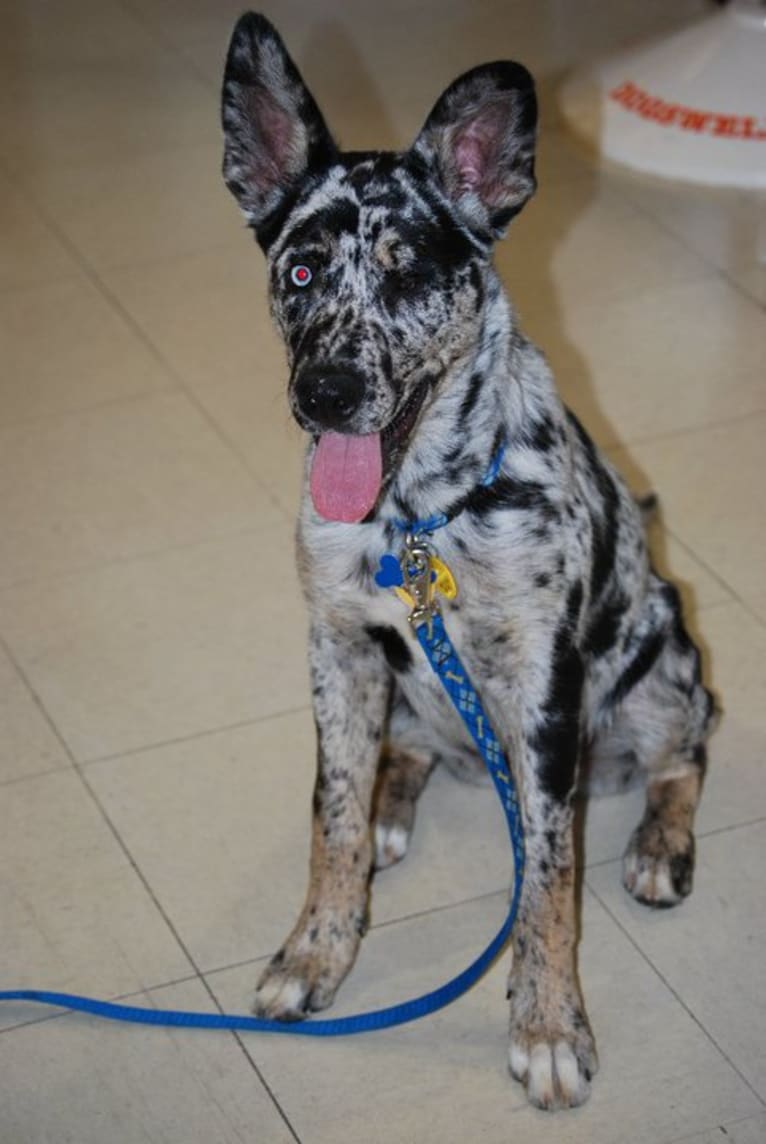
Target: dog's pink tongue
point(345, 476)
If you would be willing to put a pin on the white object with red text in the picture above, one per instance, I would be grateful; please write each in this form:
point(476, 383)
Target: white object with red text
point(691, 106)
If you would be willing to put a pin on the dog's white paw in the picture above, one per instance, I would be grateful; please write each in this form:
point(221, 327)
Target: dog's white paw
point(391, 842)
point(282, 999)
point(290, 989)
point(552, 1050)
point(556, 1074)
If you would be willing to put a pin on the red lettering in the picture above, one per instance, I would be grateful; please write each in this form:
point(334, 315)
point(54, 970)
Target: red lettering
point(727, 125)
point(667, 113)
point(690, 120)
point(626, 94)
point(648, 106)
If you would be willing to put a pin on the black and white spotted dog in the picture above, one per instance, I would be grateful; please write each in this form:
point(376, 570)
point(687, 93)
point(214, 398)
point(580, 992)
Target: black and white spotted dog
point(409, 374)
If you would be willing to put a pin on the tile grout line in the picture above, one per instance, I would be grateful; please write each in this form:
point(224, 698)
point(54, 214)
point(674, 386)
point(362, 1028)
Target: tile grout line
point(712, 833)
point(414, 916)
point(676, 995)
point(178, 740)
point(52, 578)
point(684, 431)
point(736, 597)
point(238, 1038)
point(743, 289)
point(693, 1137)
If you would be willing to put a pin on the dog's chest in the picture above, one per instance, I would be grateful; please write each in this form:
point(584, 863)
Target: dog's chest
point(343, 569)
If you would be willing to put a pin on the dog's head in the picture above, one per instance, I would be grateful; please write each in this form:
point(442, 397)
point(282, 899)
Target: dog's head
point(377, 261)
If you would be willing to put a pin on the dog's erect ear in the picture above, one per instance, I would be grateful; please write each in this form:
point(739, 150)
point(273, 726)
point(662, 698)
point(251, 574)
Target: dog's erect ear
point(480, 140)
point(274, 132)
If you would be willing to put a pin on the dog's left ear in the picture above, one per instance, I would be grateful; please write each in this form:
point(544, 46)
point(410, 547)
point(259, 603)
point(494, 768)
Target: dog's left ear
point(480, 141)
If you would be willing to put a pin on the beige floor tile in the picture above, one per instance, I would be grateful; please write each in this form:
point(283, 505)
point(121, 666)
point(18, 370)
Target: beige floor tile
point(59, 113)
point(749, 1131)
point(710, 483)
point(139, 208)
point(80, 1080)
point(650, 365)
point(659, 1074)
point(30, 253)
point(111, 483)
point(579, 243)
point(28, 745)
point(726, 227)
point(225, 843)
point(75, 914)
point(757, 605)
point(751, 277)
point(208, 316)
point(178, 21)
point(38, 33)
point(65, 348)
point(190, 640)
point(707, 950)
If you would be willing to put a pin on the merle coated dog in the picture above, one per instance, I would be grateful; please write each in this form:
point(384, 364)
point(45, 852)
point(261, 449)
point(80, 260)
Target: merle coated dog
point(409, 374)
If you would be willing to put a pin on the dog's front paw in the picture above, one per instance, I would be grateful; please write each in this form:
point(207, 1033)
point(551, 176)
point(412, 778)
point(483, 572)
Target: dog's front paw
point(552, 1051)
point(556, 1070)
point(306, 972)
point(658, 865)
point(291, 988)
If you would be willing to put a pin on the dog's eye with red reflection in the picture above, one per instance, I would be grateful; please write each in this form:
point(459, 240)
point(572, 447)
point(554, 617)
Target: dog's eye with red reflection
point(300, 275)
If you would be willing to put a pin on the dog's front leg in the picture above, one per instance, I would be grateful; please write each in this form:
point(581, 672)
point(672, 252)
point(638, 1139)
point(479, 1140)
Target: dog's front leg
point(552, 1049)
point(351, 690)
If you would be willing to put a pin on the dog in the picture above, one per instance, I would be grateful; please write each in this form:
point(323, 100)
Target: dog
point(421, 400)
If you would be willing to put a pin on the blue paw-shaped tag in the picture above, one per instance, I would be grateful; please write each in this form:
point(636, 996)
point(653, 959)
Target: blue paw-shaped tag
point(389, 574)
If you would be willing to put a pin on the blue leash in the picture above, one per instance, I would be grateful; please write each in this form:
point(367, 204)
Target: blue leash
point(416, 580)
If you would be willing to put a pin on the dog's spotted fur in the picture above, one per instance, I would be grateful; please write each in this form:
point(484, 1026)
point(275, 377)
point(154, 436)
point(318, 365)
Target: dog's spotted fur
point(576, 646)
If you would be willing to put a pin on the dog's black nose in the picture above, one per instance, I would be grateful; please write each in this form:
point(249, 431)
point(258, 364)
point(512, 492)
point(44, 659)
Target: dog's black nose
point(329, 400)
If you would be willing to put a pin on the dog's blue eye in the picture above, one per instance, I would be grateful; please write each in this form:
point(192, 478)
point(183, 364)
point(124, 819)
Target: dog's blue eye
point(300, 275)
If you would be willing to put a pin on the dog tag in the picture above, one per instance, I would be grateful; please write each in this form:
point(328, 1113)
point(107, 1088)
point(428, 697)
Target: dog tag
point(444, 581)
point(389, 575)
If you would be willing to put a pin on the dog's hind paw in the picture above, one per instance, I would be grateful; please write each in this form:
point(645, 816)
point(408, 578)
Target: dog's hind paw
point(658, 865)
point(391, 842)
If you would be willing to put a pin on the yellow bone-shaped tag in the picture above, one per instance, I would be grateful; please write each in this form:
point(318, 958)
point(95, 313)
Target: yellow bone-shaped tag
point(444, 581)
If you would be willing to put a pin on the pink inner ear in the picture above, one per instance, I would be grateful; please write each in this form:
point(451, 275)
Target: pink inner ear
point(476, 148)
point(469, 159)
point(276, 137)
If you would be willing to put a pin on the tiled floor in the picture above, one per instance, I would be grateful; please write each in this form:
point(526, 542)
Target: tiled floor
point(156, 743)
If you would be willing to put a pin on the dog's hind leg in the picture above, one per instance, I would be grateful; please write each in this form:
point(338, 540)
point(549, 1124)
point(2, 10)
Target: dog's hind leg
point(658, 864)
point(403, 774)
point(405, 765)
point(664, 721)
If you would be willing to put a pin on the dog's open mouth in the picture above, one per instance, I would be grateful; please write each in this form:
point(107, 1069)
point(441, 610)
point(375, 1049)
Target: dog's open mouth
point(348, 473)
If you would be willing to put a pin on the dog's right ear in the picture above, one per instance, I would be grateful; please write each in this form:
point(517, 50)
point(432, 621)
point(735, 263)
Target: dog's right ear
point(274, 132)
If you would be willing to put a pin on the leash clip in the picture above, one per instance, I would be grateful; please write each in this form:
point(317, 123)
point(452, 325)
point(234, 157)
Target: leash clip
point(417, 574)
